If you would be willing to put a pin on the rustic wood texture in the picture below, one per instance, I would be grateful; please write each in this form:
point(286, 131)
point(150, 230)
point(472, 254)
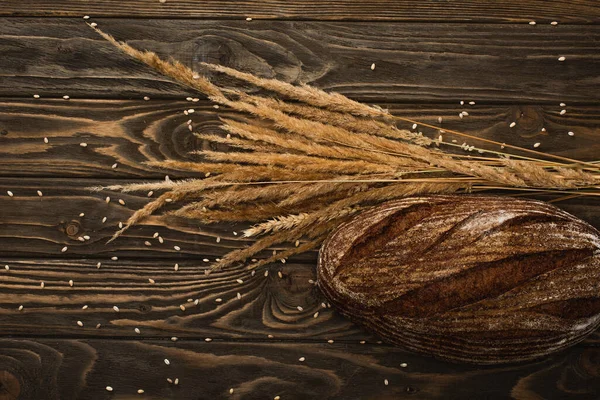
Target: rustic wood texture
point(82, 369)
point(42, 226)
point(444, 62)
point(580, 11)
point(268, 304)
point(130, 133)
point(441, 53)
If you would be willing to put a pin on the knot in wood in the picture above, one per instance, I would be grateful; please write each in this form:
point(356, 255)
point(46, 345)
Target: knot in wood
point(72, 228)
point(530, 120)
point(10, 387)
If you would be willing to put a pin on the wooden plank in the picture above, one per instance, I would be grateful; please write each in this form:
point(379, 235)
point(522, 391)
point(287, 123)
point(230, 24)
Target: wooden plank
point(495, 63)
point(42, 226)
point(33, 226)
point(582, 11)
point(82, 369)
point(268, 305)
point(130, 133)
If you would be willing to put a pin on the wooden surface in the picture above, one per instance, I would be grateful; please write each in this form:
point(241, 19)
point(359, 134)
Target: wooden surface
point(495, 63)
point(429, 55)
point(577, 11)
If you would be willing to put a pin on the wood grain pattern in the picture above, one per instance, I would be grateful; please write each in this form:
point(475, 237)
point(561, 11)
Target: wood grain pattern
point(445, 62)
point(30, 224)
point(42, 226)
point(581, 11)
point(268, 304)
point(82, 369)
point(130, 133)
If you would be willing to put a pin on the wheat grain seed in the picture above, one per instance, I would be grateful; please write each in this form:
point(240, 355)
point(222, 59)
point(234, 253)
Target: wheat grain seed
point(208, 339)
point(137, 330)
point(513, 124)
point(42, 285)
point(276, 398)
point(248, 19)
point(79, 323)
point(205, 260)
point(107, 199)
point(239, 281)
point(330, 341)
point(46, 140)
point(82, 214)
point(109, 389)
point(98, 326)
point(563, 104)
point(562, 58)
point(81, 239)
point(537, 144)
point(386, 382)
point(563, 112)
point(403, 365)
point(140, 391)
point(239, 296)
point(554, 23)
point(373, 67)
point(182, 307)
point(414, 126)
point(150, 193)
point(176, 382)
point(161, 240)
point(167, 361)
point(147, 243)
point(36, 96)
point(20, 308)
point(177, 248)
point(315, 315)
point(64, 249)
point(66, 97)
point(152, 281)
point(104, 219)
point(98, 265)
point(231, 391)
point(114, 166)
point(93, 24)
point(176, 267)
point(218, 300)
point(85, 307)
point(531, 22)
point(169, 380)
point(86, 17)
point(120, 225)
point(122, 202)
point(116, 309)
point(10, 194)
point(570, 133)
point(279, 274)
point(174, 338)
point(302, 359)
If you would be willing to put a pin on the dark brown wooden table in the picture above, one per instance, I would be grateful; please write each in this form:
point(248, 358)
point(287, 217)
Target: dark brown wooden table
point(68, 342)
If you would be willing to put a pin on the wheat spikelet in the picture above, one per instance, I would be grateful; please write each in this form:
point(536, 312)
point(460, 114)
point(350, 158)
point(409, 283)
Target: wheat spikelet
point(304, 93)
point(300, 163)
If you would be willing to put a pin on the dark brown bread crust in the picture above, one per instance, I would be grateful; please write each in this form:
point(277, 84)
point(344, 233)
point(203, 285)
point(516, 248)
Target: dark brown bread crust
point(477, 279)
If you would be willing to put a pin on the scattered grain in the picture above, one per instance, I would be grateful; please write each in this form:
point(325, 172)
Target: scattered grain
point(302, 359)
point(79, 323)
point(570, 133)
point(562, 58)
point(177, 248)
point(116, 309)
point(64, 249)
point(315, 315)
point(563, 112)
point(386, 382)
point(537, 144)
point(167, 361)
point(10, 194)
point(373, 67)
point(137, 330)
point(109, 389)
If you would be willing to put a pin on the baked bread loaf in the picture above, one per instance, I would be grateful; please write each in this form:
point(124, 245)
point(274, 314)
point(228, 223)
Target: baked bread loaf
point(477, 279)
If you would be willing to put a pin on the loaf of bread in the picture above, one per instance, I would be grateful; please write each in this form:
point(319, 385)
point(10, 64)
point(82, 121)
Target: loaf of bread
point(476, 279)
